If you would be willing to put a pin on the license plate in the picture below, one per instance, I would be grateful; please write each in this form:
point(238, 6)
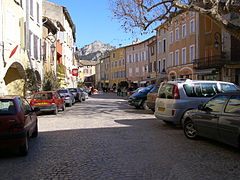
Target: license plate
point(41, 103)
point(161, 109)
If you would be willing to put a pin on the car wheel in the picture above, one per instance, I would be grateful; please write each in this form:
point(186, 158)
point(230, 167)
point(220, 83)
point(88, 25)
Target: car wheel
point(23, 149)
point(63, 108)
point(144, 105)
point(189, 130)
point(153, 110)
point(83, 99)
point(35, 133)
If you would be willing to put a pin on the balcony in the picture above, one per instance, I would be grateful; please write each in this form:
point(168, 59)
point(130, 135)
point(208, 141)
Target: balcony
point(209, 62)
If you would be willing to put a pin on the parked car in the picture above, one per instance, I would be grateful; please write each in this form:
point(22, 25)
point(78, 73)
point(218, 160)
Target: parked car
point(151, 97)
point(48, 101)
point(177, 97)
point(84, 94)
point(18, 123)
point(77, 93)
point(217, 119)
point(135, 91)
point(139, 99)
point(68, 96)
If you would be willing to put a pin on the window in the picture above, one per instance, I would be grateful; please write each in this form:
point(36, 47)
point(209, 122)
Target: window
point(123, 61)
point(129, 58)
point(119, 63)
point(192, 26)
point(216, 104)
point(228, 87)
point(137, 70)
point(113, 55)
point(130, 72)
point(112, 64)
point(7, 107)
point(201, 89)
point(233, 105)
point(184, 33)
point(177, 34)
point(164, 65)
point(38, 13)
point(143, 58)
point(184, 56)
point(136, 57)
point(192, 53)
point(31, 8)
point(171, 37)
point(159, 46)
point(170, 59)
point(177, 57)
point(153, 68)
point(164, 45)
point(167, 91)
point(159, 66)
point(152, 50)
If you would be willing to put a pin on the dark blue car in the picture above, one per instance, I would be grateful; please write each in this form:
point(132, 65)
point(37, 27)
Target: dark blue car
point(139, 99)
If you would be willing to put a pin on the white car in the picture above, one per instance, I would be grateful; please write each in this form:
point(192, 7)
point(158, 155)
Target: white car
point(84, 94)
point(176, 97)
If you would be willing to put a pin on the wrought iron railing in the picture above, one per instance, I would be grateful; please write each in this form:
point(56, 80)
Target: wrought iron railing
point(209, 62)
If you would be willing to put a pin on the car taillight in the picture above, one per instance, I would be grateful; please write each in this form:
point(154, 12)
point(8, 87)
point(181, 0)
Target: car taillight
point(176, 93)
point(66, 96)
point(77, 94)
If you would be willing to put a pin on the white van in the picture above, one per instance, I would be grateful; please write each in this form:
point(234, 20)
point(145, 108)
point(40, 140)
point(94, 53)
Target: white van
point(176, 97)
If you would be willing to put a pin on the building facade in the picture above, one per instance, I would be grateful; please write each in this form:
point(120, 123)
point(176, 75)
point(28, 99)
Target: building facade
point(117, 63)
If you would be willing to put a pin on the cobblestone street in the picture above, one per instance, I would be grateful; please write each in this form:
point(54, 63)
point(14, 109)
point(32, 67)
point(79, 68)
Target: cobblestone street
point(104, 138)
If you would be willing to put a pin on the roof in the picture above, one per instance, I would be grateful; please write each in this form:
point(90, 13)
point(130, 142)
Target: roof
point(87, 63)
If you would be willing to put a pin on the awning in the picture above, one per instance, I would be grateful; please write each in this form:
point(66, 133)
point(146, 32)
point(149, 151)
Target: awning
point(205, 71)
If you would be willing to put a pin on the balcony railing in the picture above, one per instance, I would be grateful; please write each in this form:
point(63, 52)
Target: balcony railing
point(209, 62)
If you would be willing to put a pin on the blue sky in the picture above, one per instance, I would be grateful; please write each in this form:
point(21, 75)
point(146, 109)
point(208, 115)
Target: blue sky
point(94, 21)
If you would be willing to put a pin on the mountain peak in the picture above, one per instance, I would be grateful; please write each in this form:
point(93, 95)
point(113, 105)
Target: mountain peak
point(95, 50)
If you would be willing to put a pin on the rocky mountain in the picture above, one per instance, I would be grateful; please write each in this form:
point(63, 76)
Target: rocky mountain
point(95, 50)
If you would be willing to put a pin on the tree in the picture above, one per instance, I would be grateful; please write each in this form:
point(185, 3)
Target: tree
point(144, 13)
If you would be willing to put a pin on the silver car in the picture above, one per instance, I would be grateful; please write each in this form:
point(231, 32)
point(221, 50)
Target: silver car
point(68, 96)
point(176, 97)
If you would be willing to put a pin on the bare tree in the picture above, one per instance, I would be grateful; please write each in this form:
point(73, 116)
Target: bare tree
point(144, 13)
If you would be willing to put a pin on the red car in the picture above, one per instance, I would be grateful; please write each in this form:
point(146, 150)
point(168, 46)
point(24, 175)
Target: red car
point(48, 101)
point(18, 122)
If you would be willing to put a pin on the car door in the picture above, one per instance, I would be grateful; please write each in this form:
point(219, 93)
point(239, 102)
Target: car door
point(207, 119)
point(28, 115)
point(229, 121)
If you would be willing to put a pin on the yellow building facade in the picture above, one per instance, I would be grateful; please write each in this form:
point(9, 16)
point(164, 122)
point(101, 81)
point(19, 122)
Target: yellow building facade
point(118, 66)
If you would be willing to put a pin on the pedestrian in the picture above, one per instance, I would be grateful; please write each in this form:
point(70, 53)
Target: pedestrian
point(118, 91)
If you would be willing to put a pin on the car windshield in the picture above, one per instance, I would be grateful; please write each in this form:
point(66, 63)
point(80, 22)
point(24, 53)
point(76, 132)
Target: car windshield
point(7, 107)
point(62, 91)
point(43, 96)
point(147, 89)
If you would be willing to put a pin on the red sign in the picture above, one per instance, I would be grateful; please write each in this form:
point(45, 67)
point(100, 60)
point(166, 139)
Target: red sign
point(75, 72)
point(13, 51)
